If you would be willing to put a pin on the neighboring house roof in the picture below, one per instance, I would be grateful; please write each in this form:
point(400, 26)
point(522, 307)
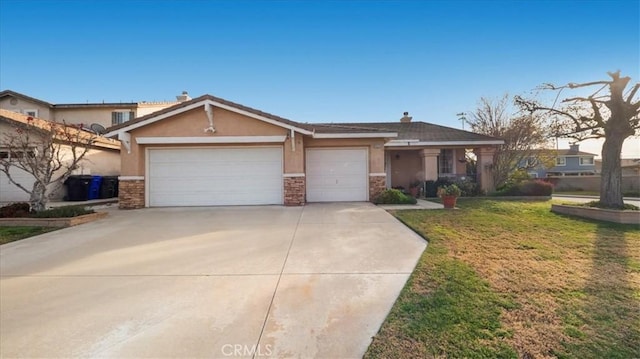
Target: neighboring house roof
point(9, 93)
point(98, 141)
point(566, 152)
point(6, 93)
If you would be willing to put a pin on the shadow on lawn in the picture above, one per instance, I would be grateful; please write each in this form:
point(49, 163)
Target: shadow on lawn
point(607, 325)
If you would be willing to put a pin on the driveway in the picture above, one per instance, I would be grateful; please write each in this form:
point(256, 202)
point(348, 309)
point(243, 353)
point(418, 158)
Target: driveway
point(225, 282)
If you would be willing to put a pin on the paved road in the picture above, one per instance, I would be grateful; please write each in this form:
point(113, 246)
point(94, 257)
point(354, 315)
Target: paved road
point(270, 281)
point(584, 199)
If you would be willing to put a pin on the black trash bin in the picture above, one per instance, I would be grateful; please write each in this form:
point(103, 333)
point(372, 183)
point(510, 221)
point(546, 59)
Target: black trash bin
point(78, 188)
point(109, 187)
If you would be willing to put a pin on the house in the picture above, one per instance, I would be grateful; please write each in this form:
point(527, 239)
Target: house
point(210, 151)
point(568, 162)
point(103, 158)
point(630, 166)
point(82, 114)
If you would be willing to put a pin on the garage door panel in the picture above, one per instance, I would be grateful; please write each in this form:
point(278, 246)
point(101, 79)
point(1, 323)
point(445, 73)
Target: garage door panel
point(336, 175)
point(213, 176)
point(10, 192)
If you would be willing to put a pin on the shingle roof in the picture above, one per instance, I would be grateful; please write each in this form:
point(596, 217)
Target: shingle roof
point(569, 152)
point(97, 140)
point(423, 131)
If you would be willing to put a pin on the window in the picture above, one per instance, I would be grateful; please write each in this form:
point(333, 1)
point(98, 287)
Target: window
point(533, 174)
point(561, 161)
point(118, 117)
point(586, 161)
point(446, 161)
point(32, 113)
point(16, 154)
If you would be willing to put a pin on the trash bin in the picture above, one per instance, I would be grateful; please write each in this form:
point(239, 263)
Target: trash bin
point(78, 188)
point(109, 187)
point(94, 188)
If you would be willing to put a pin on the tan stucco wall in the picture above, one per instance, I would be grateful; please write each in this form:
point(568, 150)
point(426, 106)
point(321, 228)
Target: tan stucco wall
point(192, 124)
point(375, 146)
point(406, 167)
point(88, 116)
point(43, 111)
point(148, 108)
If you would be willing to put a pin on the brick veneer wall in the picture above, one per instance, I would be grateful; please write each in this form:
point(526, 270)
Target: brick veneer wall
point(131, 194)
point(294, 191)
point(377, 184)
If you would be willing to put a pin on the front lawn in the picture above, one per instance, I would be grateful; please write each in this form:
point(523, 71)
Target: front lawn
point(10, 234)
point(507, 279)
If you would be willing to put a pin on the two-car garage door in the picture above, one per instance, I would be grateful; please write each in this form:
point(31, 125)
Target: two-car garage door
point(251, 176)
point(215, 176)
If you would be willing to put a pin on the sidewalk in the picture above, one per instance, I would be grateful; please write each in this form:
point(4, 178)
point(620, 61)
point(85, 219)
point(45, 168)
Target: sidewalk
point(422, 204)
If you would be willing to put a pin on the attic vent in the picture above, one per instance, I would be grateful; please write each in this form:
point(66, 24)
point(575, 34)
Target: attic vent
point(183, 97)
point(406, 118)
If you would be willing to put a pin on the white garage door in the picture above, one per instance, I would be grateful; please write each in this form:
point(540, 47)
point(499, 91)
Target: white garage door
point(10, 192)
point(335, 175)
point(215, 177)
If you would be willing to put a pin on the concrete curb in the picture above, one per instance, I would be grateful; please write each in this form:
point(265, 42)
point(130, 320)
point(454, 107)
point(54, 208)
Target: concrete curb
point(599, 214)
point(52, 222)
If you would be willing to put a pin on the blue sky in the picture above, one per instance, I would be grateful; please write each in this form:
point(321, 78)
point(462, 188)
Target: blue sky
point(325, 61)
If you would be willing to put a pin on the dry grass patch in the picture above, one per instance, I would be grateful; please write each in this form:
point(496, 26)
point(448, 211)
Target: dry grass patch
point(562, 287)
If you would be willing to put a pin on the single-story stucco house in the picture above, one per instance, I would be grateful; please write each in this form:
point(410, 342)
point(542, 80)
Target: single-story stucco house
point(210, 151)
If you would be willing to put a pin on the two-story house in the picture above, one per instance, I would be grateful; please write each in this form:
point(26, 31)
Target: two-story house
point(105, 114)
point(568, 162)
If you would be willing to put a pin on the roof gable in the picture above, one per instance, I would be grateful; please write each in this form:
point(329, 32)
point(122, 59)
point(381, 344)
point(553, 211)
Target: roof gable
point(10, 93)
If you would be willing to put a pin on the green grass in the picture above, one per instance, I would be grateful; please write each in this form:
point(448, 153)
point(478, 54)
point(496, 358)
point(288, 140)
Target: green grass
point(10, 234)
point(578, 193)
point(503, 279)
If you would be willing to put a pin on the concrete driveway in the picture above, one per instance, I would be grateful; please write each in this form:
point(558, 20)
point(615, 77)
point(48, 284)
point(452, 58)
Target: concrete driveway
point(228, 282)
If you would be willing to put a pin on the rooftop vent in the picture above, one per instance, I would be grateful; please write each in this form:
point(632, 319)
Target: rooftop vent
point(406, 118)
point(183, 97)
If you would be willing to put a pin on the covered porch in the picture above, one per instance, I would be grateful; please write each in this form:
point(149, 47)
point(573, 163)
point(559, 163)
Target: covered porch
point(407, 165)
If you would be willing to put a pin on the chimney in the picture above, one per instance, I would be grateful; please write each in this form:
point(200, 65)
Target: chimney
point(183, 97)
point(574, 147)
point(406, 118)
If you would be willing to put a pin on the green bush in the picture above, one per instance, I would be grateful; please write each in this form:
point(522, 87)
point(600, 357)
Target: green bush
point(394, 196)
point(526, 188)
point(468, 187)
point(63, 212)
point(15, 210)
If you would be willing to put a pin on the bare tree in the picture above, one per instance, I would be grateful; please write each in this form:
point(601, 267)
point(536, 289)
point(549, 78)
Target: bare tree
point(49, 151)
point(525, 136)
point(614, 117)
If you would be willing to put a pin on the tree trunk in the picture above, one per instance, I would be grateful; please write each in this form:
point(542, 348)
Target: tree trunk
point(38, 198)
point(611, 176)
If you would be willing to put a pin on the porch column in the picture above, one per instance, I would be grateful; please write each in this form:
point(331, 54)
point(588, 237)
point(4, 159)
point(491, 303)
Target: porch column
point(485, 166)
point(430, 163)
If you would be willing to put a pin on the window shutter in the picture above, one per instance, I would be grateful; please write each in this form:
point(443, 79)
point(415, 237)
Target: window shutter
point(132, 115)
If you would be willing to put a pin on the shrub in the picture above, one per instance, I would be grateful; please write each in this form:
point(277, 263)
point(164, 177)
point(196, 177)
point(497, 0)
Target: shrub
point(394, 196)
point(63, 212)
point(450, 190)
point(526, 188)
point(15, 210)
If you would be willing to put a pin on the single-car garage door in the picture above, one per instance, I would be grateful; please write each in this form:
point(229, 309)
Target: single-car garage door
point(335, 175)
point(215, 176)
